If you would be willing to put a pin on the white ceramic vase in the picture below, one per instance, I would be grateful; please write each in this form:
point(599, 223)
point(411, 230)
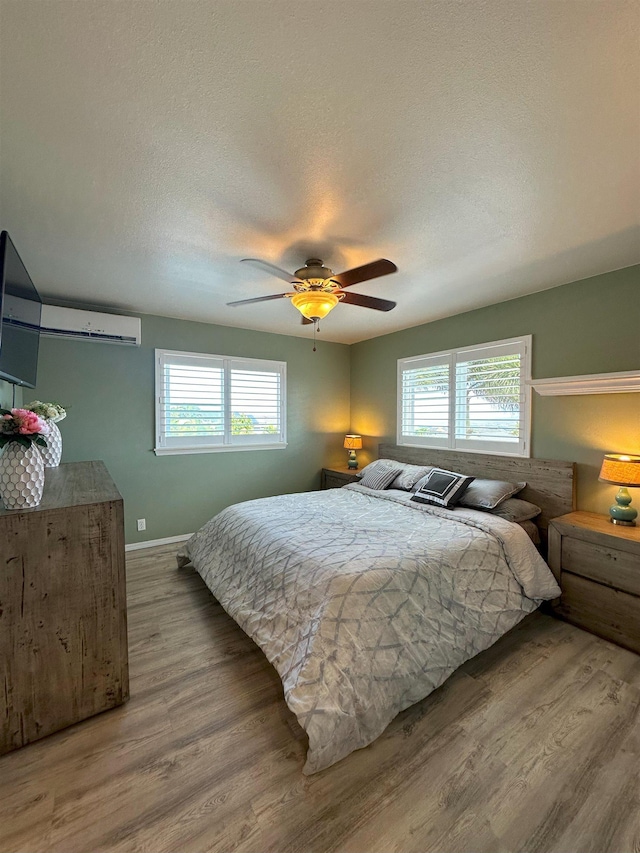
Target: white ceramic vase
point(52, 453)
point(21, 476)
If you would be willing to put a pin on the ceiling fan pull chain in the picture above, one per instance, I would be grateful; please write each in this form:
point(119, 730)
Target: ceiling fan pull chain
point(315, 324)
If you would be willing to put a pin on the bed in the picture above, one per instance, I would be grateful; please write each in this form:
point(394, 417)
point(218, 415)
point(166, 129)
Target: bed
point(365, 601)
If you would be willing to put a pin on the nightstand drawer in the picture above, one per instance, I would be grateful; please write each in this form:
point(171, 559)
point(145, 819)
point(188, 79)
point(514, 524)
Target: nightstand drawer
point(609, 566)
point(607, 612)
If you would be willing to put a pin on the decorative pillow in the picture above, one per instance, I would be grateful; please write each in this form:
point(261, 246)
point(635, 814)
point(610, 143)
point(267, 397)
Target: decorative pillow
point(375, 463)
point(442, 488)
point(517, 510)
point(488, 494)
point(379, 477)
point(409, 476)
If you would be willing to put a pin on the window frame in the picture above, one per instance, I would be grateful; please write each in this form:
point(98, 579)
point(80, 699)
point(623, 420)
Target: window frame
point(522, 449)
point(227, 442)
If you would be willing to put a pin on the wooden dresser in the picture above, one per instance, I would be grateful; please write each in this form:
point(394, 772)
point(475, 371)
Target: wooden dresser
point(336, 478)
point(597, 565)
point(63, 616)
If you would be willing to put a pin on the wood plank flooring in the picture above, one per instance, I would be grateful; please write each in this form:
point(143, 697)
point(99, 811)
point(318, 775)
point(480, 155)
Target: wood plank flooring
point(532, 746)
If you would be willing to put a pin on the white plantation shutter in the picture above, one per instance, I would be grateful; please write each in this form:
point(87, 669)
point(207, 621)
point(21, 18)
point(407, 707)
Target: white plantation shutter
point(424, 400)
point(210, 402)
point(476, 398)
point(190, 400)
point(491, 398)
point(255, 401)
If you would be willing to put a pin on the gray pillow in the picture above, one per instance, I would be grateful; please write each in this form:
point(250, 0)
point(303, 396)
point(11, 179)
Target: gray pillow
point(531, 529)
point(442, 488)
point(488, 494)
point(409, 476)
point(379, 477)
point(517, 510)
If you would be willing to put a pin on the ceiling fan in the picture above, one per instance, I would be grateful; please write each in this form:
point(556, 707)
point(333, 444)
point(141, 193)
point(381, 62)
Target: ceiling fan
point(316, 290)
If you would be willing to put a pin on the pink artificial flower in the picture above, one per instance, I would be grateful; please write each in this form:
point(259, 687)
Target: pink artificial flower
point(27, 422)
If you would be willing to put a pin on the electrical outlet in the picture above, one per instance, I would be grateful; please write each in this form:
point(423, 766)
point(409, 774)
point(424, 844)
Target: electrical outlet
point(142, 524)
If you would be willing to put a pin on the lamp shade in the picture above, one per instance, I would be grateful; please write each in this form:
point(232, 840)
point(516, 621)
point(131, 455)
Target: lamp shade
point(314, 304)
point(353, 442)
point(620, 470)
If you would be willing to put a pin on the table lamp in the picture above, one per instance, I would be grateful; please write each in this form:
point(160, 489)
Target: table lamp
point(623, 471)
point(352, 443)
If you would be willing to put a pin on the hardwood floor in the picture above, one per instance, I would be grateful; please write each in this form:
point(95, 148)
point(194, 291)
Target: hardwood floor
point(534, 745)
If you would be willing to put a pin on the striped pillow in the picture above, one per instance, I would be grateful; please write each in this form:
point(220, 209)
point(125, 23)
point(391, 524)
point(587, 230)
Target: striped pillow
point(379, 477)
point(442, 488)
point(375, 464)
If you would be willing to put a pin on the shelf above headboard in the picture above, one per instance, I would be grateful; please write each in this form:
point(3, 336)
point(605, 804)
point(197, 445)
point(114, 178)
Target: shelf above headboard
point(593, 383)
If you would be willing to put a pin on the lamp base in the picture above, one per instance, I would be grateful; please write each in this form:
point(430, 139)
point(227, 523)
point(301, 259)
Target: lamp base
point(621, 512)
point(352, 462)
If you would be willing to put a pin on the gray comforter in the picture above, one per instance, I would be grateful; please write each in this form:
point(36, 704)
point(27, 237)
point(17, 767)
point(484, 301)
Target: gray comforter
point(363, 601)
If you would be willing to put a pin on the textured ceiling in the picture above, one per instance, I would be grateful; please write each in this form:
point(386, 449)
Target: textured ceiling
point(490, 149)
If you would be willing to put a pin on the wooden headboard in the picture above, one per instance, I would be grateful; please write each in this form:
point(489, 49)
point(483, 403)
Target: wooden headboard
point(550, 484)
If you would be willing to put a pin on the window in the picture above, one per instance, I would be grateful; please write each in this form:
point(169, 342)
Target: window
point(476, 398)
point(206, 403)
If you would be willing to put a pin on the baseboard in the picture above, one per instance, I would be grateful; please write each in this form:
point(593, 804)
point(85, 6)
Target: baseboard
point(151, 543)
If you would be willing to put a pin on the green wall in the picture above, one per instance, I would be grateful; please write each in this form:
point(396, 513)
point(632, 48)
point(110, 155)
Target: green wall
point(110, 394)
point(590, 326)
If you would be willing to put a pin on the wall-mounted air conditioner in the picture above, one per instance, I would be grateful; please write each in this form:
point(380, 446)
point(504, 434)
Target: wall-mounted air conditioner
point(89, 326)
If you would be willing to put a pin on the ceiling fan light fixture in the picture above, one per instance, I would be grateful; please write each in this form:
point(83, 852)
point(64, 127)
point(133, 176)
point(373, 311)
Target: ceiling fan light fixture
point(315, 304)
point(318, 290)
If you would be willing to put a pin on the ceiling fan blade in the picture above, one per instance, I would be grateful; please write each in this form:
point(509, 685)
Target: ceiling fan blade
point(261, 299)
point(368, 301)
point(368, 271)
point(274, 270)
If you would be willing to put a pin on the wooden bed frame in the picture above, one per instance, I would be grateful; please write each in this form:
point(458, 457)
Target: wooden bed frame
point(550, 484)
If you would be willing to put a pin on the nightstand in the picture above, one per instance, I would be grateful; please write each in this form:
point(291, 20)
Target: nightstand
point(335, 478)
point(597, 565)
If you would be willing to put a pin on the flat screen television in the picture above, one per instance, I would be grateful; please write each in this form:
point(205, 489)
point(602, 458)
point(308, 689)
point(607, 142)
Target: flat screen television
point(20, 310)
